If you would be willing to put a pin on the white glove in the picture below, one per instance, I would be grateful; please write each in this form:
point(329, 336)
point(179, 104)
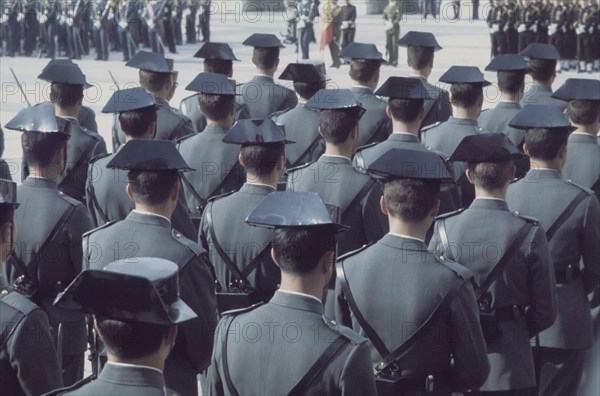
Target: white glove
point(111, 16)
point(20, 16)
point(4, 18)
point(505, 27)
point(534, 28)
point(62, 20)
point(521, 28)
point(495, 28)
point(69, 22)
point(301, 24)
point(551, 30)
point(564, 29)
point(123, 24)
point(185, 13)
point(580, 30)
point(97, 24)
point(591, 30)
point(388, 25)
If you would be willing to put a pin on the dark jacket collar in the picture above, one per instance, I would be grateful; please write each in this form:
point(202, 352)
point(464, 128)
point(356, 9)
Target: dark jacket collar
point(508, 105)
point(398, 242)
point(259, 189)
point(40, 183)
point(493, 204)
point(148, 219)
point(296, 301)
point(216, 129)
point(132, 375)
point(403, 137)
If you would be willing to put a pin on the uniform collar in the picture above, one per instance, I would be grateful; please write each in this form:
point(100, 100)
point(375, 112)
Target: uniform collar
point(296, 300)
point(404, 137)
point(257, 188)
point(489, 203)
point(41, 182)
point(582, 137)
point(215, 129)
point(507, 105)
point(262, 77)
point(338, 159)
point(361, 88)
point(462, 121)
point(131, 374)
point(147, 217)
point(398, 241)
point(542, 173)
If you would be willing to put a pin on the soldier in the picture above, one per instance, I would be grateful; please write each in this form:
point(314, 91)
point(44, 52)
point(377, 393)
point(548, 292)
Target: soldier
point(154, 168)
point(218, 58)
point(217, 170)
point(516, 287)
point(154, 13)
point(557, 32)
point(301, 124)
point(261, 94)
point(51, 12)
point(543, 64)
point(5, 168)
point(570, 214)
point(106, 190)
point(582, 165)
point(512, 35)
point(510, 69)
point(205, 10)
point(190, 21)
point(27, 367)
point(596, 36)
point(586, 23)
point(331, 22)
point(102, 9)
point(405, 271)
point(12, 11)
point(47, 254)
point(466, 97)
point(240, 253)
point(66, 94)
point(542, 34)
point(365, 65)
point(391, 22)
point(31, 26)
point(308, 11)
point(497, 18)
point(125, 13)
point(158, 78)
point(335, 179)
point(140, 299)
point(348, 24)
point(324, 358)
point(420, 49)
point(528, 23)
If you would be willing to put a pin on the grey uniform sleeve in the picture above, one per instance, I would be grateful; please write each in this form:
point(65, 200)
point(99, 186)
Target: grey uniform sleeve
point(590, 247)
point(89, 191)
point(374, 221)
point(342, 309)
point(198, 291)
point(291, 101)
point(357, 376)
point(79, 224)
point(99, 148)
point(33, 356)
point(471, 366)
point(214, 377)
point(542, 284)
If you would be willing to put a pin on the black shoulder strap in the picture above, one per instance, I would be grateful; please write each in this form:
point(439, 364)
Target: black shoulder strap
point(565, 215)
point(9, 326)
point(317, 367)
point(226, 373)
point(202, 201)
point(371, 333)
point(447, 248)
point(361, 193)
point(311, 147)
point(405, 346)
point(97, 204)
point(519, 238)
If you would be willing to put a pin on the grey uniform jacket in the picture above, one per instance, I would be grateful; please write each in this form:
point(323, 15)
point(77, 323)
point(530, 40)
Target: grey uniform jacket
point(496, 120)
point(544, 194)
point(83, 145)
point(526, 280)
point(240, 241)
point(189, 107)
point(264, 97)
point(28, 364)
point(147, 235)
point(217, 169)
point(356, 194)
point(538, 94)
point(86, 116)
point(292, 335)
point(107, 200)
point(366, 155)
point(437, 109)
point(374, 126)
point(41, 208)
point(583, 161)
point(410, 282)
point(301, 125)
point(170, 125)
point(116, 380)
point(5, 170)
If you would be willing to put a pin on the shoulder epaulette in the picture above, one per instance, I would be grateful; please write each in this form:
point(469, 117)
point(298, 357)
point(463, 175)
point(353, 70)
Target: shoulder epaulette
point(99, 156)
point(365, 146)
point(354, 252)
point(188, 243)
point(430, 126)
point(278, 113)
point(480, 129)
point(19, 302)
point(527, 218)
point(345, 332)
point(460, 270)
point(90, 232)
point(579, 186)
point(216, 197)
point(181, 139)
point(90, 133)
point(242, 310)
point(298, 167)
point(69, 199)
point(76, 385)
point(450, 214)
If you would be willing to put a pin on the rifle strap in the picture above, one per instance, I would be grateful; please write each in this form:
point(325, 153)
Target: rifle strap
point(310, 148)
point(565, 215)
point(9, 326)
point(359, 196)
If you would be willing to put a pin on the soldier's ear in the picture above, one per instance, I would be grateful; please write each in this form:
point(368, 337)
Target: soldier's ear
point(435, 210)
point(388, 112)
point(526, 149)
point(469, 176)
point(241, 160)
point(274, 258)
point(171, 336)
point(129, 191)
point(321, 132)
point(383, 205)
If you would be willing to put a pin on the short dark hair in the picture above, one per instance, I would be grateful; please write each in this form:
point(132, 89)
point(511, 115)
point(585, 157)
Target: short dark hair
point(542, 69)
point(152, 188)
point(221, 66)
point(265, 58)
point(216, 107)
point(466, 95)
point(491, 175)
point(411, 199)
point(153, 81)
point(128, 340)
point(336, 125)
point(41, 148)
point(363, 70)
point(306, 90)
point(544, 143)
point(66, 95)
point(583, 112)
point(262, 159)
point(405, 110)
point(135, 123)
point(298, 250)
point(511, 80)
point(419, 57)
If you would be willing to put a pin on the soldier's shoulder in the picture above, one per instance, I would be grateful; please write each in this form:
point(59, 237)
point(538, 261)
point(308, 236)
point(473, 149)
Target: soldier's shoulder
point(19, 302)
point(431, 126)
point(217, 197)
point(355, 252)
point(90, 232)
point(366, 146)
point(235, 312)
point(71, 201)
point(459, 270)
point(450, 214)
point(190, 98)
point(93, 134)
point(580, 187)
point(345, 332)
point(68, 389)
point(528, 219)
point(300, 167)
point(279, 113)
point(185, 139)
point(98, 157)
point(186, 243)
